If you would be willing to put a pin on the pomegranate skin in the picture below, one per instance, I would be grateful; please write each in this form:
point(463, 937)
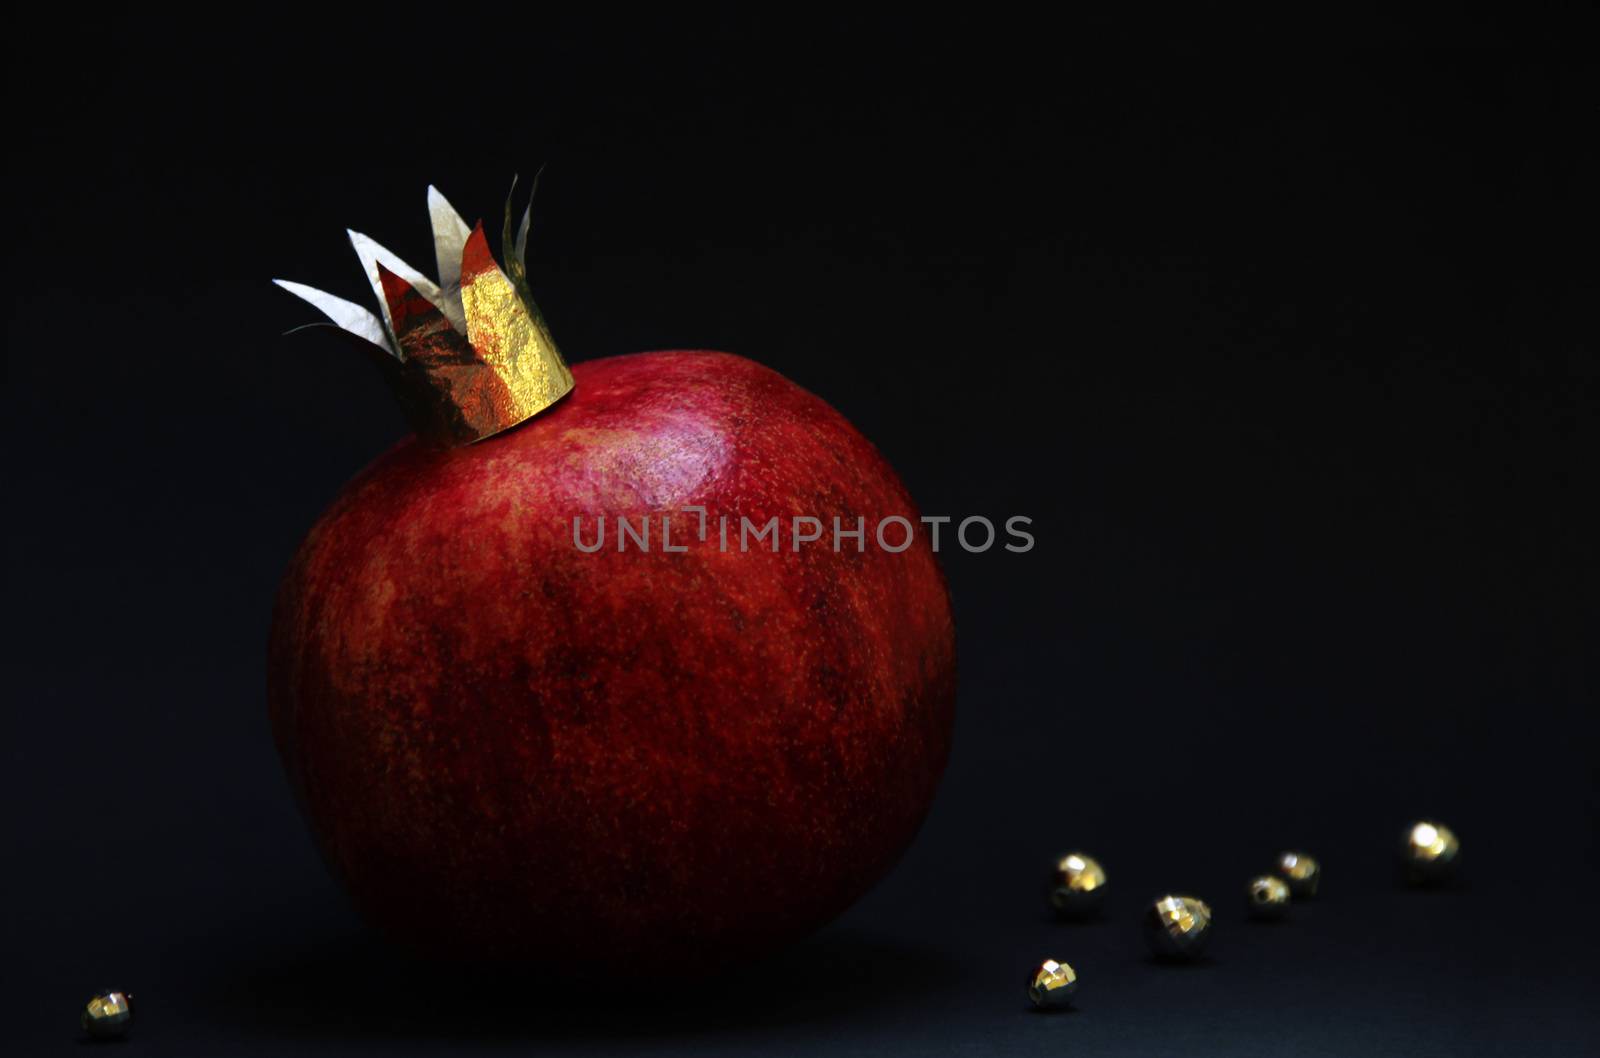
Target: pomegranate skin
point(510, 749)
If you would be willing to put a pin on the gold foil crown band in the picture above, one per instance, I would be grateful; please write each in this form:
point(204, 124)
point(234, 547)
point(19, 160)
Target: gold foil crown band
point(468, 356)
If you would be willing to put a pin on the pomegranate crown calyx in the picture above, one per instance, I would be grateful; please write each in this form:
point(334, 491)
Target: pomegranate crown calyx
point(469, 356)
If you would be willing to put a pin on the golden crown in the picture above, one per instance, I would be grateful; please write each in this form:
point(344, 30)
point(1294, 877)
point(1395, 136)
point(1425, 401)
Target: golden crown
point(468, 356)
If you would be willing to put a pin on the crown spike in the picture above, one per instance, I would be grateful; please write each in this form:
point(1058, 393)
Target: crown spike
point(371, 253)
point(527, 221)
point(516, 250)
point(449, 236)
point(346, 315)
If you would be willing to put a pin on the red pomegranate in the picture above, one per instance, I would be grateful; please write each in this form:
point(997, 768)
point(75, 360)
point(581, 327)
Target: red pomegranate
point(510, 746)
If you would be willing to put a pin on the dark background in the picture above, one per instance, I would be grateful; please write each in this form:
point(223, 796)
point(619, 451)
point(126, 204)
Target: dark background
point(1290, 356)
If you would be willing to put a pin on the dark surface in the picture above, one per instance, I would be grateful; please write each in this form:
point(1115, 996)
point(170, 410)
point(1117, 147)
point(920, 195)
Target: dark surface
point(1291, 361)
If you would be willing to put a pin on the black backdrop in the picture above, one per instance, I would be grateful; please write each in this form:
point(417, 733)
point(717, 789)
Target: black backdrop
point(1290, 359)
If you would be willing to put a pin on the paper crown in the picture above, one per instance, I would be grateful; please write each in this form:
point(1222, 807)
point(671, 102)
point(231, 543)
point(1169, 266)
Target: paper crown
point(469, 356)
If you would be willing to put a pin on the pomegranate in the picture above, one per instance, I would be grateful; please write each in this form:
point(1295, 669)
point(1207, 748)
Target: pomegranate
point(543, 697)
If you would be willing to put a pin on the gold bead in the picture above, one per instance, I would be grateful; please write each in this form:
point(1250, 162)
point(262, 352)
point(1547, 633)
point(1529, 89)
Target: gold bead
point(1302, 872)
point(1429, 851)
point(1178, 927)
point(108, 1015)
point(1077, 884)
point(1269, 897)
point(1051, 985)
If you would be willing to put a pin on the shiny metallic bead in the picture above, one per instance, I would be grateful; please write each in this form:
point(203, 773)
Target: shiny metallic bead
point(1429, 851)
point(1302, 872)
point(1178, 927)
point(1052, 984)
point(1077, 884)
point(1268, 896)
point(108, 1015)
